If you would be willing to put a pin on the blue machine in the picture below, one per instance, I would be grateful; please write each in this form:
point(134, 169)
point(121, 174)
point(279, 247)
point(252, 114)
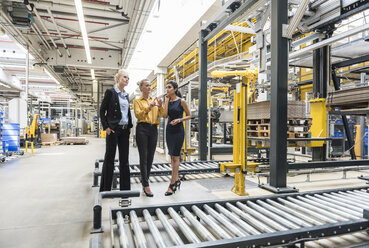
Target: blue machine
point(11, 137)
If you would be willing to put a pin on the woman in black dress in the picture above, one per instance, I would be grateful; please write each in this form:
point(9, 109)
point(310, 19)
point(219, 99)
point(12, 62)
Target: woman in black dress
point(173, 109)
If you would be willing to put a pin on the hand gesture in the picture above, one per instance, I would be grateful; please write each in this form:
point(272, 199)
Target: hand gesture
point(167, 98)
point(152, 104)
point(175, 122)
point(160, 103)
point(109, 131)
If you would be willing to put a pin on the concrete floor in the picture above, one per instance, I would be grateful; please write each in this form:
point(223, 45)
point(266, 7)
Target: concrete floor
point(47, 198)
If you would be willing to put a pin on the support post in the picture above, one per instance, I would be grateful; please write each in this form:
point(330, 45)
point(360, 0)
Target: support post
point(203, 70)
point(278, 109)
point(344, 118)
point(27, 85)
point(98, 110)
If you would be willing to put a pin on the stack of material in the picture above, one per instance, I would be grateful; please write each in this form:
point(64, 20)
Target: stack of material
point(348, 98)
point(258, 115)
point(74, 140)
point(49, 139)
point(261, 110)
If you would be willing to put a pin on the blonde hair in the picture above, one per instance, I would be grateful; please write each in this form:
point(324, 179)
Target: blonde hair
point(119, 74)
point(141, 82)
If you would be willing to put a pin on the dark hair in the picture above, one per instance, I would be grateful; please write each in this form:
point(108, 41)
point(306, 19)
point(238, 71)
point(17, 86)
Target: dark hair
point(175, 86)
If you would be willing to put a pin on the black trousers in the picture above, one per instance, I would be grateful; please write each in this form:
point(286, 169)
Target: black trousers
point(146, 138)
point(120, 137)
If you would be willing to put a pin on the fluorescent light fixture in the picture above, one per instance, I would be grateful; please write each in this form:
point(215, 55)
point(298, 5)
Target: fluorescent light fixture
point(48, 73)
point(93, 74)
point(82, 24)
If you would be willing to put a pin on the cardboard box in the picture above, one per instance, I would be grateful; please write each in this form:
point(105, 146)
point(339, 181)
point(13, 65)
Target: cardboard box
point(49, 137)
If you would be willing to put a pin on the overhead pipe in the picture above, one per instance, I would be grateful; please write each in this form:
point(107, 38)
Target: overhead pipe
point(38, 32)
point(96, 13)
point(47, 31)
point(58, 30)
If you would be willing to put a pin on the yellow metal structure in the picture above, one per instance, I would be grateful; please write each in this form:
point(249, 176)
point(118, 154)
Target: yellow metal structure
point(239, 164)
point(32, 129)
point(318, 114)
point(222, 45)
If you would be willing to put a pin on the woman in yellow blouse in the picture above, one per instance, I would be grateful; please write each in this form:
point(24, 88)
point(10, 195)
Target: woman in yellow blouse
point(147, 111)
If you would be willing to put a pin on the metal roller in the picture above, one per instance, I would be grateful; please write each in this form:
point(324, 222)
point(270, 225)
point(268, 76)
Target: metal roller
point(123, 239)
point(319, 210)
point(272, 215)
point(197, 225)
point(344, 199)
point(261, 217)
point(288, 216)
point(355, 197)
point(295, 213)
point(246, 217)
point(168, 227)
point(309, 212)
point(190, 235)
point(253, 222)
point(339, 203)
point(327, 207)
point(327, 203)
point(153, 229)
point(360, 193)
point(140, 237)
point(225, 222)
point(216, 228)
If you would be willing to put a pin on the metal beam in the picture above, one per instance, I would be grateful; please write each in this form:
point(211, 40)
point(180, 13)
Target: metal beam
point(245, 8)
point(326, 164)
point(328, 41)
point(344, 119)
point(278, 109)
point(349, 62)
point(295, 21)
point(203, 72)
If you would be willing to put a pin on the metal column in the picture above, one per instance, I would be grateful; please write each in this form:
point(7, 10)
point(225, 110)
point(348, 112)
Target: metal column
point(320, 82)
point(344, 117)
point(278, 109)
point(203, 70)
point(98, 110)
point(27, 86)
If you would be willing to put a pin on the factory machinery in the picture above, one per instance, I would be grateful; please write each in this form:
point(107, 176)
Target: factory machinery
point(285, 219)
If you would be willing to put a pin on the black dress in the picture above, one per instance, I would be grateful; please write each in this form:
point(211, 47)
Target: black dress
point(175, 134)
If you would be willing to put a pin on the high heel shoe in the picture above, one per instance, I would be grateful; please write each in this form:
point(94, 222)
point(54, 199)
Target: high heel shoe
point(178, 184)
point(148, 194)
point(171, 186)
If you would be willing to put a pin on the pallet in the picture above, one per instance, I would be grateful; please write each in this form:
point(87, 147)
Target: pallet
point(296, 128)
point(75, 143)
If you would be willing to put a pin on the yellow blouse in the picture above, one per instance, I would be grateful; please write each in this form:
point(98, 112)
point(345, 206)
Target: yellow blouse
point(144, 114)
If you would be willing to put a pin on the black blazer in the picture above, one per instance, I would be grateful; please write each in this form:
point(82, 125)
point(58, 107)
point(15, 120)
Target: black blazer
point(110, 113)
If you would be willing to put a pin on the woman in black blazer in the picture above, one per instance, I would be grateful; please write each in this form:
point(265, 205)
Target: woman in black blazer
point(117, 122)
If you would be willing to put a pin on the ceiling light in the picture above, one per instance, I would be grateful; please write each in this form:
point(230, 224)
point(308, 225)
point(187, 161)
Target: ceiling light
point(82, 24)
point(93, 74)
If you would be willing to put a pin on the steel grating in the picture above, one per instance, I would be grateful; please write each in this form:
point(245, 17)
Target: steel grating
point(252, 222)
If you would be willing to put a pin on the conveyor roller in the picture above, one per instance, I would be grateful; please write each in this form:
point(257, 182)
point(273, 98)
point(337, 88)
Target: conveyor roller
point(251, 222)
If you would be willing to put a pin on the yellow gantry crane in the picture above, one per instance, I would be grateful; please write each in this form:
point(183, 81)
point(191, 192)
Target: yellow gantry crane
point(242, 95)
